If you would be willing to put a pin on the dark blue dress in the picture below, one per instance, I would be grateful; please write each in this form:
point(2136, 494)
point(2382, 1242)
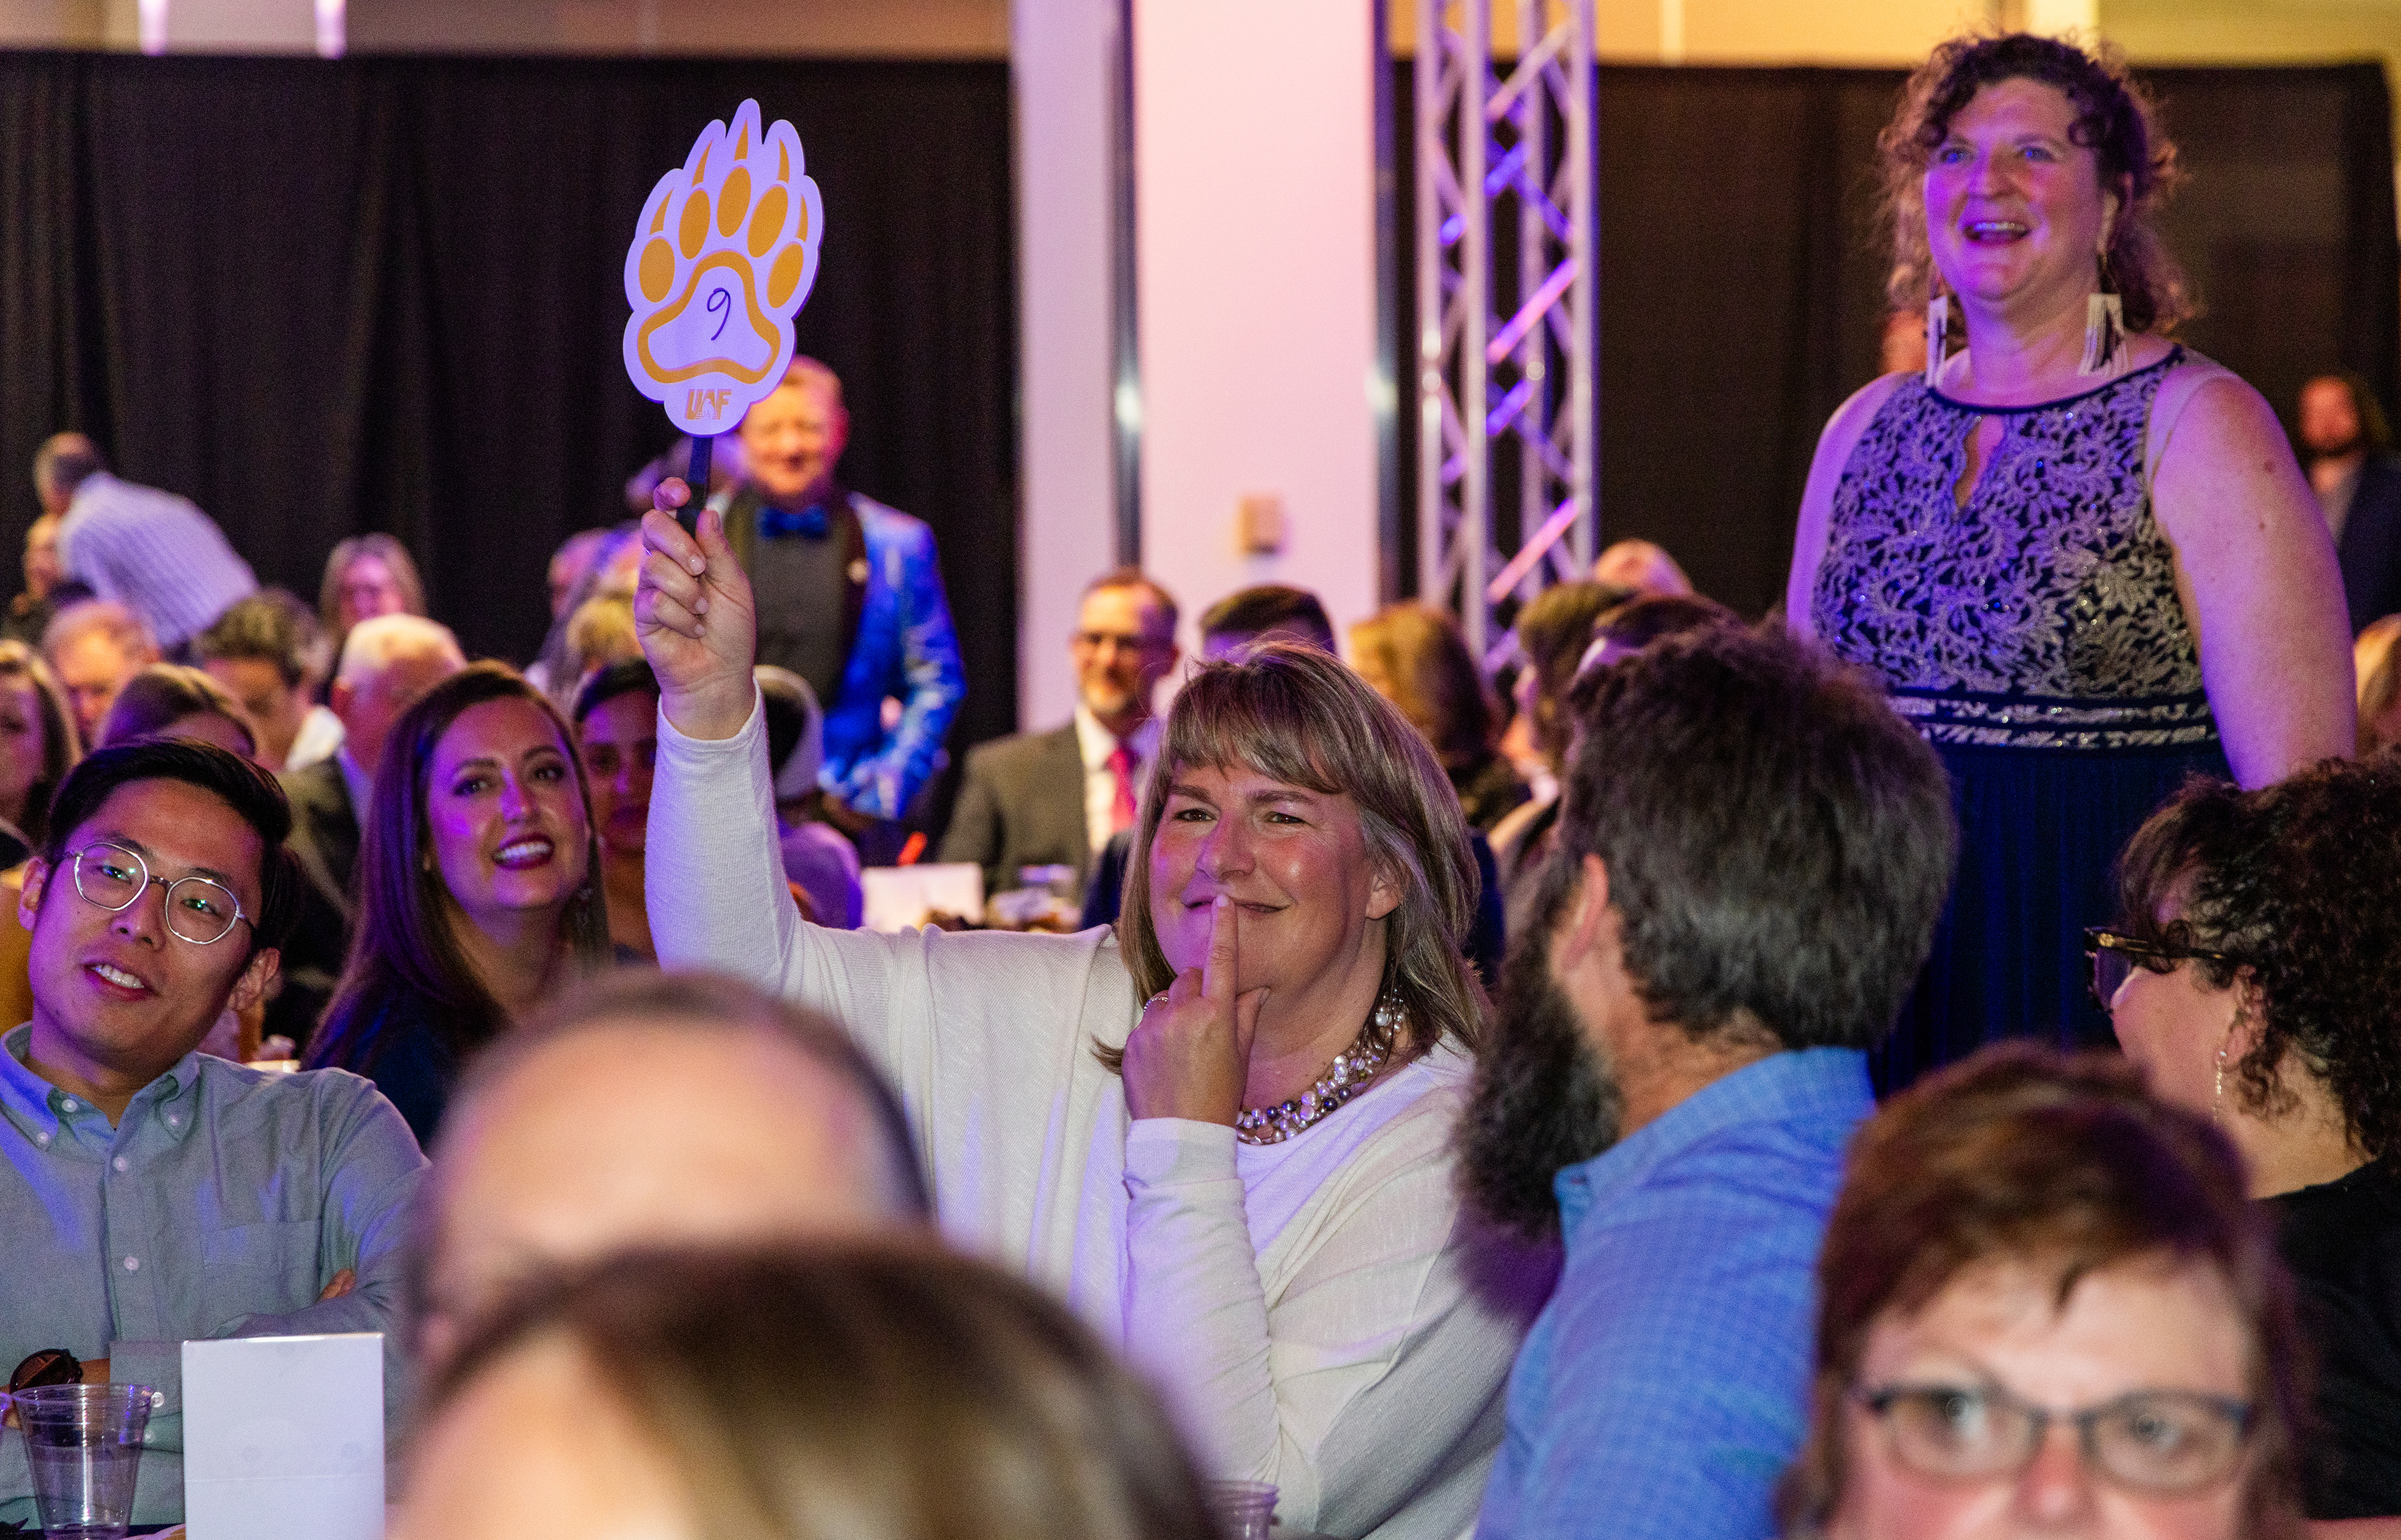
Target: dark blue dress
point(2034, 637)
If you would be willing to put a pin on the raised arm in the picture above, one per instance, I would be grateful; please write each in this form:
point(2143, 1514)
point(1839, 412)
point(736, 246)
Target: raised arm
point(2257, 574)
point(696, 619)
point(714, 877)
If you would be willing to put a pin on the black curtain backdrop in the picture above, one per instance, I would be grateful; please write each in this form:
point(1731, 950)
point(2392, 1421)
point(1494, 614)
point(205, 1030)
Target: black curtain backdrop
point(321, 298)
point(1742, 275)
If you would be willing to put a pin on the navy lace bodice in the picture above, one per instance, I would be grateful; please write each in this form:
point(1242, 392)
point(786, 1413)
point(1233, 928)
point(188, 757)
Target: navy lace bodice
point(2042, 613)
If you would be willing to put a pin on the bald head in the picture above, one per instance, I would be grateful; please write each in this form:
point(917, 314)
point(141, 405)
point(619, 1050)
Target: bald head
point(657, 1109)
point(388, 664)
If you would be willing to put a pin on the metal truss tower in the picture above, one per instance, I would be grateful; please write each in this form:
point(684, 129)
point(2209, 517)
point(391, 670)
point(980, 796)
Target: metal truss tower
point(1505, 360)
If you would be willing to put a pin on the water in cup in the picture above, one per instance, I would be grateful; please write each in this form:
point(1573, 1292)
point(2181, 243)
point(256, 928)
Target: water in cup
point(84, 1443)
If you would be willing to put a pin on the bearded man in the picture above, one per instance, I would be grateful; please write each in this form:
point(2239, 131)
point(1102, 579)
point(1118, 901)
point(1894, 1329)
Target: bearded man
point(1752, 854)
point(2348, 448)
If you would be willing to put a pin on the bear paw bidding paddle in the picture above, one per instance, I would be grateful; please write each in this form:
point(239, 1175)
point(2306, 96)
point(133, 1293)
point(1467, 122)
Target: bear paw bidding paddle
point(725, 252)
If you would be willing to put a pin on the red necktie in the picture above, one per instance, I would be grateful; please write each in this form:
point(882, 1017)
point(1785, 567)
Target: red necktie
point(1121, 771)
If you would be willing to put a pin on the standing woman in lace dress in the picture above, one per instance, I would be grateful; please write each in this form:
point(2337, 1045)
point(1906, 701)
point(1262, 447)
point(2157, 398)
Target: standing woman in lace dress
point(2079, 556)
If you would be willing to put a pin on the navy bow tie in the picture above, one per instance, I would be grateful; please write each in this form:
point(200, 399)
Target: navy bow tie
point(775, 523)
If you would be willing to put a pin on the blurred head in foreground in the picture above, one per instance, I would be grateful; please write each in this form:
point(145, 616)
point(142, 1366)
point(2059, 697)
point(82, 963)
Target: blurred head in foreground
point(860, 1392)
point(578, 1136)
point(2046, 1308)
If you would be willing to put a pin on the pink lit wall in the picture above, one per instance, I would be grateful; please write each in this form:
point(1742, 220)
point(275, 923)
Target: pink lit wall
point(1059, 62)
point(1254, 167)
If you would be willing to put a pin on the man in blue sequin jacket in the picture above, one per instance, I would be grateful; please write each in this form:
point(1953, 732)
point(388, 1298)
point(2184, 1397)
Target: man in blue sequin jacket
point(850, 597)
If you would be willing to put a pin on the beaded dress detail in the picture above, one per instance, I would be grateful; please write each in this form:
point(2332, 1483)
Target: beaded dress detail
point(2042, 613)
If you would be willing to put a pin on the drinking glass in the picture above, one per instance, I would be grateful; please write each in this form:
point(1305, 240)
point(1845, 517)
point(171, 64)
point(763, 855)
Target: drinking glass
point(1244, 1509)
point(84, 1443)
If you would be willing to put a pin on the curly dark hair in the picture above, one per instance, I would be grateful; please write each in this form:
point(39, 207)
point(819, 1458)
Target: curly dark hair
point(2299, 885)
point(2115, 120)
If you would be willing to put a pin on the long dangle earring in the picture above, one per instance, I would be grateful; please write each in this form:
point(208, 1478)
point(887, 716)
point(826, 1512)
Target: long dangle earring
point(2217, 1094)
point(2105, 325)
point(1937, 334)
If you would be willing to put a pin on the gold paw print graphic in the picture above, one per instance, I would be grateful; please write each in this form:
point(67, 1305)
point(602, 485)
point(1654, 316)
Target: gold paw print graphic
point(724, 254)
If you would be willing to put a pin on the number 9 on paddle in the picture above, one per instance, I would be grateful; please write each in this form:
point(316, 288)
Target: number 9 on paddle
point(725, 255)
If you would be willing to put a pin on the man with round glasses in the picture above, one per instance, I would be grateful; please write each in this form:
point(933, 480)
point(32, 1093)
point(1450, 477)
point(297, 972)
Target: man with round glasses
point(148, 1192)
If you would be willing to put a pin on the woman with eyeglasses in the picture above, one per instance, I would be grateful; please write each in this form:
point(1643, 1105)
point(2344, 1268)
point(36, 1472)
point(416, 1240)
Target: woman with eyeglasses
point(2046, 1308)
point(2254, 977)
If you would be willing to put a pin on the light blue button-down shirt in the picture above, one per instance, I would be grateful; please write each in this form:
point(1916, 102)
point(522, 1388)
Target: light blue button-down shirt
point(220, 1205)
point(1664, 1387)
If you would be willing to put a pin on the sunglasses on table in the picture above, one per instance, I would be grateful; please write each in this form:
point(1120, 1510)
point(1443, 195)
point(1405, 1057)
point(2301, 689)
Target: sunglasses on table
point(2115, 955)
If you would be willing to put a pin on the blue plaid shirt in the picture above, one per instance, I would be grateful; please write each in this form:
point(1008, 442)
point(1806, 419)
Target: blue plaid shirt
point(1664, 1387)
point(219, 1206)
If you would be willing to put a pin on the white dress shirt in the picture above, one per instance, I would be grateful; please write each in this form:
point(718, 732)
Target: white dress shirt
point(320, 735)
point(1096, 742)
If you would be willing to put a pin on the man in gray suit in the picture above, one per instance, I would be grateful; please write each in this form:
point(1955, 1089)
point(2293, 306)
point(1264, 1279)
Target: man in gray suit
point(1054, 798)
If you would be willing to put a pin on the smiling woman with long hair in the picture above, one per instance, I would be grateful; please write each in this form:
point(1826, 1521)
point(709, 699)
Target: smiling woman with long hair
point(478, 889)
point(1224, 1131)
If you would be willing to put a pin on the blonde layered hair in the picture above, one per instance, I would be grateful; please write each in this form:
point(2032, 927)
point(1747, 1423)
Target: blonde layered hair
point(1296, 715)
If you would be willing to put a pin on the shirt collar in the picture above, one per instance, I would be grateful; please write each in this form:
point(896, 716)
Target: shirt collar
point(356, 780)
point(1096, 742)
point(1825, 1085)
point(39, 1109)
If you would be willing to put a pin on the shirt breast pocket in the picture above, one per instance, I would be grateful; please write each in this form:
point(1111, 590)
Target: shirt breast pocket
point(267, 1267)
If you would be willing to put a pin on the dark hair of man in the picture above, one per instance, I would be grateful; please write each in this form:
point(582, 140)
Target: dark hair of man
point(61, 746)
point(1654, 615)
point(1271, 607)
point(625, 676)
point(1134, 577)
point(402, 955)
point(1778, 840)
point(2022, 1156)
point(2375, 430)
point(714, 1002)
point(2298, 884)
point(270, 626)
point(2134, 160)
point(163, 695)
point(1553, 632)
point(878, 1390)
point(241, 786)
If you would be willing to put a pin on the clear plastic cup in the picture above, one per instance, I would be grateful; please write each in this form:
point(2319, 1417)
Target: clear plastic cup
point(1244, 1509)
point(84, 1443)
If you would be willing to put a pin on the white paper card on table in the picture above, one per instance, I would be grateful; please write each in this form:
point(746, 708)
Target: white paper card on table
point(284, 1437)
point(900, 897)
point(724, 252)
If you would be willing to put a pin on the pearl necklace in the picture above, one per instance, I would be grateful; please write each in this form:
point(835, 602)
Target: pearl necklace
point(1351, 1073)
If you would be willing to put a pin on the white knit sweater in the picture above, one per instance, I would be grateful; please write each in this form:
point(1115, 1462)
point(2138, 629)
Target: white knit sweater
point(1322, 1314)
